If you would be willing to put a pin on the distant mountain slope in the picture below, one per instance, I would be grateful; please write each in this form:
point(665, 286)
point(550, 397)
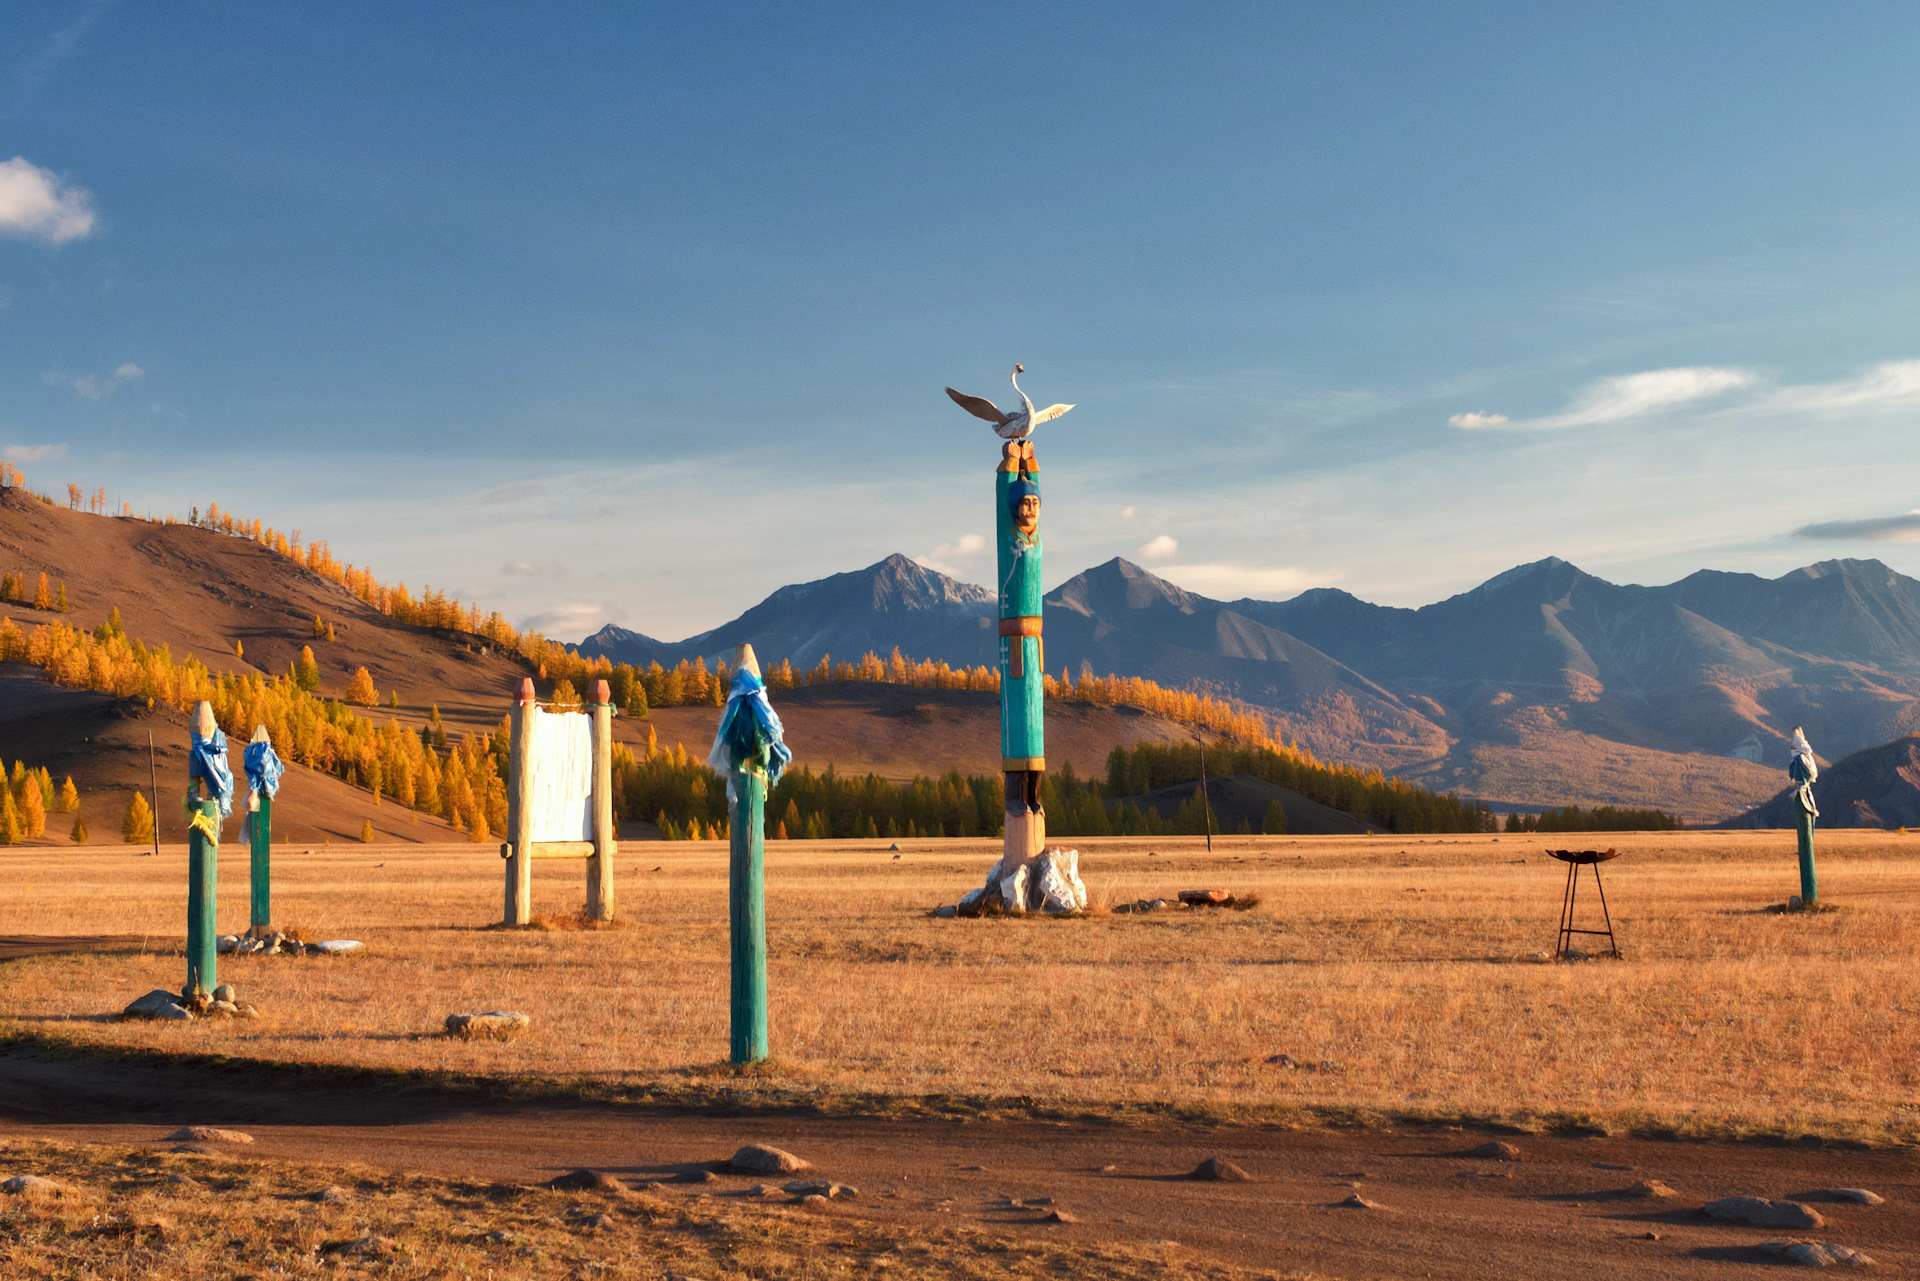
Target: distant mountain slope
point(1879, 787)
point(895, 602)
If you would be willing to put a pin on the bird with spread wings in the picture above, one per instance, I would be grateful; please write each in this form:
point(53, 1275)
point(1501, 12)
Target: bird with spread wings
point(1015, 426)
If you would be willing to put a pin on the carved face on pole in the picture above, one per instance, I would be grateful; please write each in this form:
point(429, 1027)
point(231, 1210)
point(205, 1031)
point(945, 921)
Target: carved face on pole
point(1026, 517)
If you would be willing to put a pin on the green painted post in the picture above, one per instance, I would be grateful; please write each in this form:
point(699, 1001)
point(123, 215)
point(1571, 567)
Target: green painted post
point(260, 871)
point(1809, 887)
point(746, 894)
point(203, 877)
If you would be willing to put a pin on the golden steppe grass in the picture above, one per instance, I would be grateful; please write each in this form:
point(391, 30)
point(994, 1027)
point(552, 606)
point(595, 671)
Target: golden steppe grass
point(1397, 971)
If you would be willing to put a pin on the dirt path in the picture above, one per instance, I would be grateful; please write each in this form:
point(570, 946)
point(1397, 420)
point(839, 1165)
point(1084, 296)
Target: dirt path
point(1444, 1214)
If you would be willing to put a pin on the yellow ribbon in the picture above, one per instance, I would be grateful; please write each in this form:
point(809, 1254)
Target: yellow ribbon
point(204, 821)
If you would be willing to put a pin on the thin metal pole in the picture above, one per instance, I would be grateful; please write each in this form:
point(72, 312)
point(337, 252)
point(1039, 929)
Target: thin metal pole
point(746, 894)
point(1600, 885)
point(1206, 805)
point(153, 778)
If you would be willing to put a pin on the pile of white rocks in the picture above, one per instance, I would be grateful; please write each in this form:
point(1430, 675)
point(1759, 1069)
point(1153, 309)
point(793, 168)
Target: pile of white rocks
point(278, 944)
point(1050, 884)
point(161, 1004)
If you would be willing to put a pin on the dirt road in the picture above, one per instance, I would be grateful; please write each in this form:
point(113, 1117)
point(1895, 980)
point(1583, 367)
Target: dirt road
point(1560, 1210)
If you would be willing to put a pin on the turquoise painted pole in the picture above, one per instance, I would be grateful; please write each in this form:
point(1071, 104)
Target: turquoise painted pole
point(260, 871)
point(1809, 886)
point(1023, 653)
point(746, 894)
point(203, 878)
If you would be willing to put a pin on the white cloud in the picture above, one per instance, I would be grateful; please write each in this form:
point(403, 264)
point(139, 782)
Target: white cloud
point(571, 623)
point(33, 453)
point(1230, 582)
point(1128, 513)
point(1894, 383)
point(522, 569)
point(1873, 529)
point(1611, 400)
point(36, 205)
point(1159, 548)
point(965, 545)
point(128, 372)
point(95, 386)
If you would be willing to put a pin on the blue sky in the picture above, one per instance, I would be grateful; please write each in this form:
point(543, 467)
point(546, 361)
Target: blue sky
point(597, 313)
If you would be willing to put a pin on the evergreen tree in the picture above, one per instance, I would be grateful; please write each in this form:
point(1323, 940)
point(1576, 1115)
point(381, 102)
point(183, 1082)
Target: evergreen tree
point(69, 796)
point(393, 699)
point(79, 830)
point(137, 827)
point(360, 689)
point(1275, 822)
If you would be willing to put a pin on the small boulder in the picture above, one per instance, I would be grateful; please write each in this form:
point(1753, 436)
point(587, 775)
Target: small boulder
point(1157, 905)
point(1057, 1215)
point(1495, 1150)
point(821, 1187)
point(31, 1185)
point(1216, 1170)
point(1859, 1196)
point(157, 1004)
point(1818, 1254)
point(186, 1181)
point(208, 1134)
point(946, 910)
point(330, 1195)
point(586, 1181)
point(1357, 1202)
point(223, 993)
point(227, 942)
point(225, 1010)
point(335, 947)
point(494, 1025)
point(1651, 1189)
point(763, 1158)
point(1762, 1213)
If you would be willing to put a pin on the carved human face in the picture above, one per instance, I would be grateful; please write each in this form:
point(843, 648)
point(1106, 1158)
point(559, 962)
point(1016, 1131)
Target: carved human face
point(1028, 517)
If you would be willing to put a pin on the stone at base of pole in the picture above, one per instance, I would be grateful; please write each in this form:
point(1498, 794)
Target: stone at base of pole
point(1809, 884)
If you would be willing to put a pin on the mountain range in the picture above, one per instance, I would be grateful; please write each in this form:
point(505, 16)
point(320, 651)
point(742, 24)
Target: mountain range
point(1544, 685)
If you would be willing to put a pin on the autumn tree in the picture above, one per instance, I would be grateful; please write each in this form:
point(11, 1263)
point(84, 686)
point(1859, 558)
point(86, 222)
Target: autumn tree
point(33, 810)
point(565, 696)
point(360, 690)
point(366, 832)
point(137, 827)
point(79, 833)
point(43, 594)
point(9, 818)
point(69, 796)
point(306, 672)
point(60, 600)
point(73, 496)
point(1275, 823)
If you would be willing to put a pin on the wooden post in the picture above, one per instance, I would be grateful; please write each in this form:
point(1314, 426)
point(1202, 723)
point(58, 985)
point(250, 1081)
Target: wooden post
point(260, 869)
point(519, 893)
point(1022, 659)
point(747, 900)
point(1809, 886)
point(600, 867)
point(203, 876)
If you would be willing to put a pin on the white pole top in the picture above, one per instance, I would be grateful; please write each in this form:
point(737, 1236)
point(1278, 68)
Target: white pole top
point(743, 660)
point(203, 719)
point(259, 735)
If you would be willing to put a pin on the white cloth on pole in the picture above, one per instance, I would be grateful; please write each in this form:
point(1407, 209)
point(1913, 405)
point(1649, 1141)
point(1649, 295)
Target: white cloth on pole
point(1803, 769)
point(560, 754)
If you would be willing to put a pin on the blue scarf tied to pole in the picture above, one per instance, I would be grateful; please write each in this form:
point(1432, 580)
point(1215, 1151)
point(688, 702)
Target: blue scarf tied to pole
point(208, 759)
point(750, 736)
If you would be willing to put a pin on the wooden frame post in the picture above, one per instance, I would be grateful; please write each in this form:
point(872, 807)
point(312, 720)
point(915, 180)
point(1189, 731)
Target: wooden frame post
point(519, 889)
point(600, 866)
point(747, 900)
point(203, 875)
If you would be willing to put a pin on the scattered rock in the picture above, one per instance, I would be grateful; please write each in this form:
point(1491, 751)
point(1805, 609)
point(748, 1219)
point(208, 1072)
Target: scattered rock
point(1859, 1196)
point(1157, 905)
point(500, 1236)
point(1542, 957)
point(330, 1195)
point(1013, 888)
point(335, 947)
point(813, 1201)
point(765, 1159)
point(241, 1010)
point(586, 1181)
point(1203, 897)
point(184, 1181)
point(223, 993)
point(156, 1004)
point(227, 943)
point(820, 1187)
point(1358, 1202)
point(699, 1176)
point(497, 1025)
point(1060, 888)
point(225, 1010)
point(1762, 1213)
point(1106, 1169)
point(1057, 1215)
point(1649, 1236)
point(31, 1184)
point(209, 1134)
point(1495, 1150)
point(1650, 1189)
point(1219, 1171)
point(946, 910)
point(1817, 1254)
point(598, 1221)
point(370, 1246)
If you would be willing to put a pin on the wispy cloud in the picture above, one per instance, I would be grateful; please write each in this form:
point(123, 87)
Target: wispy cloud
point(1872, 529)
point(941, 560)
point(1612, 400)
point(37, 204)
point(1162, 547)
point(95, 386)
point(571, 622)
point(522, 569)
point(1229, 582)
point(33, 453)
point(37, 71)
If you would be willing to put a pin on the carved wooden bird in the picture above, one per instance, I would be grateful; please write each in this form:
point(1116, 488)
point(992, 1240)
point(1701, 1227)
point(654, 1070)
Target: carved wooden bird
point(1017, 425)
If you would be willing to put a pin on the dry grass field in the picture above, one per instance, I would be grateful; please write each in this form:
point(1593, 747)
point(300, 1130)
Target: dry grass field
point(1394, 971)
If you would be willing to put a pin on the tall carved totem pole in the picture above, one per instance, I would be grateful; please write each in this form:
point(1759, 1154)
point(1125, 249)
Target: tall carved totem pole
point(1023, 654)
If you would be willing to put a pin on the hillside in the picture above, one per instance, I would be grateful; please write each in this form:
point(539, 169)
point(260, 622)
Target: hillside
point(1879, 787)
